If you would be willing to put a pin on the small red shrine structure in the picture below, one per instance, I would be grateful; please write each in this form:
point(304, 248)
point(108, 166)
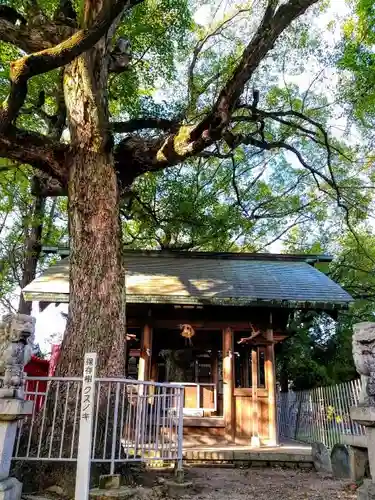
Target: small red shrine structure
point(36, 367)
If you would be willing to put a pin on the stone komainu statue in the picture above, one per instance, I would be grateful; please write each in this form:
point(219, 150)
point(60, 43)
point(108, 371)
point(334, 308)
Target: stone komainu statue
point(364, 360)
point(16, 338)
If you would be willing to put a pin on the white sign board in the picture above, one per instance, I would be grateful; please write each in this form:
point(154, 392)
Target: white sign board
point(85, 428)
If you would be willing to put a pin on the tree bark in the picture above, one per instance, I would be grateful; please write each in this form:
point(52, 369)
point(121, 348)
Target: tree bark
point(33, 248)
point(96, 321)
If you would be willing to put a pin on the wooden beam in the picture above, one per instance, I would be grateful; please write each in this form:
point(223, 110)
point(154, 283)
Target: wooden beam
point(144, 366)
point(271, 387)
point(228, 384)
point(174, 324)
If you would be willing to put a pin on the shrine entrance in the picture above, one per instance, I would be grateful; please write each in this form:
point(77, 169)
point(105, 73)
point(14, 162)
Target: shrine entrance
point(194, 361)
point(228, 379)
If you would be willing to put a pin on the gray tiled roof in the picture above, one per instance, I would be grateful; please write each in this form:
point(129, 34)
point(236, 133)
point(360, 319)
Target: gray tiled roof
point(203, 279)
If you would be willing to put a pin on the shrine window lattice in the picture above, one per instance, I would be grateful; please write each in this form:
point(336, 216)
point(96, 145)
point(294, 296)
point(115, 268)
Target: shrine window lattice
point(243, 367)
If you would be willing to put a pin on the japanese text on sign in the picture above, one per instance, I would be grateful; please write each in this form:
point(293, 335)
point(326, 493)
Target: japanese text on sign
point(87, 390)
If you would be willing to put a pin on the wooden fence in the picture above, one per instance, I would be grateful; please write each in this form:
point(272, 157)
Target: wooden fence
point(320, 414)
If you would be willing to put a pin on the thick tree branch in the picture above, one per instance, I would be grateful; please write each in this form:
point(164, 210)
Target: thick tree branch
point(271, 27)
point(143, 123)
point(36, 150)
point(190, 141)
point(33, 38)
point(46, 185)
point(55, 57)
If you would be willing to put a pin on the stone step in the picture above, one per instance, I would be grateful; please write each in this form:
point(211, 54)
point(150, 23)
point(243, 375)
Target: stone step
point(166, 489)
point(249, 457)
point(122, 493)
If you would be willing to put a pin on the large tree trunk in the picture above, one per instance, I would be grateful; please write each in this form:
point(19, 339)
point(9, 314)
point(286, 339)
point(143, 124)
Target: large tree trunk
point(96, 321)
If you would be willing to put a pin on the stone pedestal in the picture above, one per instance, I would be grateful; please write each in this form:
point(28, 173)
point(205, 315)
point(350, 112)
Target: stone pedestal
point(366, 491)
point(365, 415)
point(358, 459)
point(16, 335)
point(10, 489)
point(11, 410)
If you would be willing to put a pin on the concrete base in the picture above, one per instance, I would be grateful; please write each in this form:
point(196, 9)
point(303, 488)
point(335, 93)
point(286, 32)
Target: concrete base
point(177, 488)
point(353, 440)
point(15, 409)
point(10, 489)
point(358, 461)
point(366, 491)
point(110, 482)
point(11, 410)
point(364, 415)
point(179, 474)
point(122, 493)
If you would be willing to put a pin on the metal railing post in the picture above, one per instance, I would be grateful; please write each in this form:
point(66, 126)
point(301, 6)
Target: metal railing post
point(180, 432)
point(115, 424)
point(85, 428)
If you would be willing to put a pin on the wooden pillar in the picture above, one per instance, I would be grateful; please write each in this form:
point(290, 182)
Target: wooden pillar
point(154, 369)
point(215, 367)
point(246, 367)
point(255, 441)
point(271, 387)
point(215, 375)
point(144, 366)
point(228, 385)
point(153, 376)
point(127, 351)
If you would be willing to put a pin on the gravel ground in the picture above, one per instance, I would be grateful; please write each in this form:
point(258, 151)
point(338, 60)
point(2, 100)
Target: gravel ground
point(265, 484)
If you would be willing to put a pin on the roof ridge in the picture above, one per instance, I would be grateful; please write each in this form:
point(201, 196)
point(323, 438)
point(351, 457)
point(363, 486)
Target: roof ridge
point(310, 258)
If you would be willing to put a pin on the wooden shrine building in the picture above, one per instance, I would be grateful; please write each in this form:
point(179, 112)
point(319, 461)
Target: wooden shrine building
point(211, 322)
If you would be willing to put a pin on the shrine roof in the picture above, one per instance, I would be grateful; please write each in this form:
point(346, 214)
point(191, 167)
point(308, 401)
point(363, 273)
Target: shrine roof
point(205, 278)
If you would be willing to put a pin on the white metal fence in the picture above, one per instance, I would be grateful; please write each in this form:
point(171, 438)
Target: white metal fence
point(320, 414)
point(52, 430)
point(140, 421)
point(108, 420)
